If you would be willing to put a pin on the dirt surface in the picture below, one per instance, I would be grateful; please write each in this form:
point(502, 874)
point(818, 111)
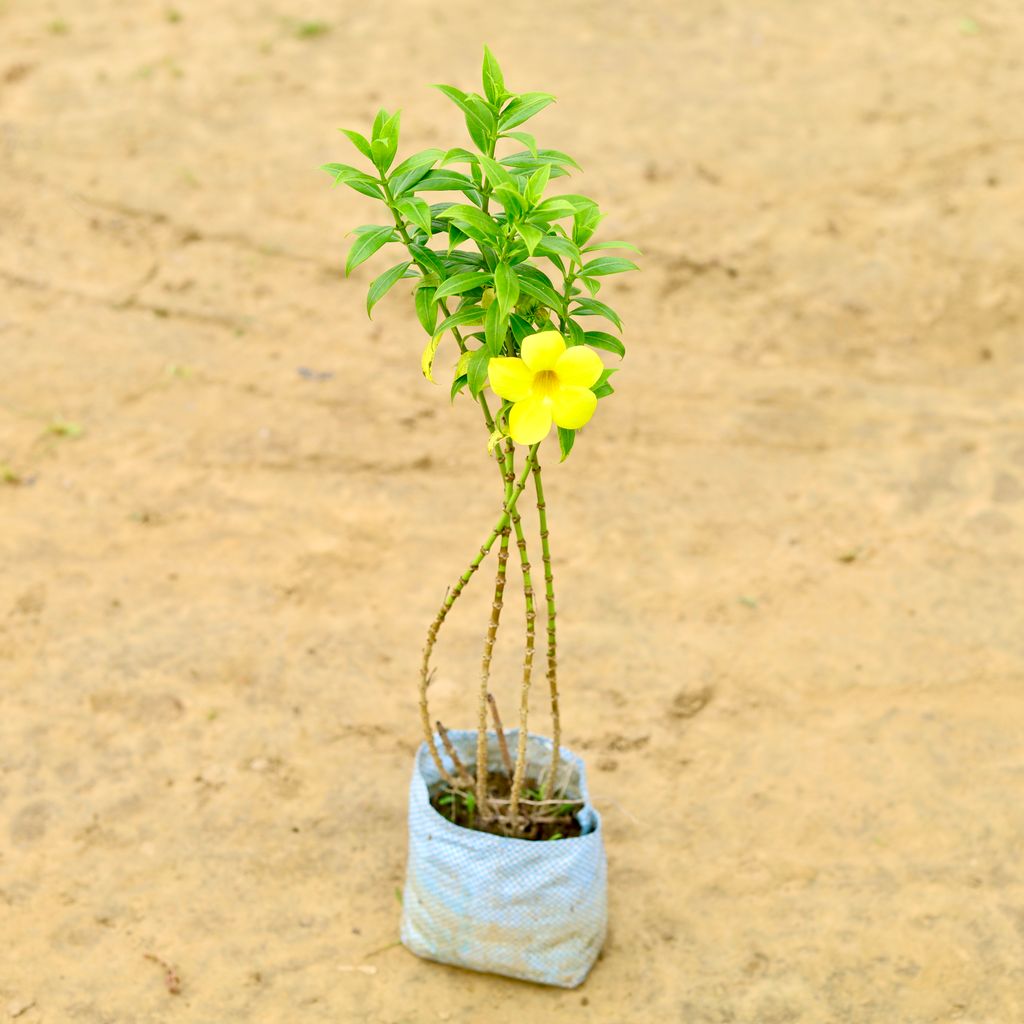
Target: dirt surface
point(788, 551)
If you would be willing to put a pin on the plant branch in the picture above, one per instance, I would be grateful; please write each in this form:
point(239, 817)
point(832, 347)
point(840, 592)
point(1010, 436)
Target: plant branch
point(502, 744)
point(508, 473)
point(450, 598)
point(460, 769)
point(524, 693)
point(549, 591)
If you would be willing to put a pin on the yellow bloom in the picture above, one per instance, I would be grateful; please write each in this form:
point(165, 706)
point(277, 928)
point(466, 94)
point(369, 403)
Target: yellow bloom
point(550, 383)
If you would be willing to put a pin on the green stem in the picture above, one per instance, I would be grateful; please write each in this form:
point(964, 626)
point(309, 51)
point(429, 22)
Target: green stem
point(524, 693)
point(506, 516)
point(508, 474)
point(531, 615)
point(563, 316)
point(549, 591)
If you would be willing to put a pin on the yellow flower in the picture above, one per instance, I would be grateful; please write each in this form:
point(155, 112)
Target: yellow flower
point(550, 383)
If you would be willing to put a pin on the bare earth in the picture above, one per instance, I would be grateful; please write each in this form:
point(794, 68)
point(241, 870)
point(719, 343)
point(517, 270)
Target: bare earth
point(789, 551)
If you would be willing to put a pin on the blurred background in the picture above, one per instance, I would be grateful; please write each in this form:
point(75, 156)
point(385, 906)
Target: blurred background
point(788, 551)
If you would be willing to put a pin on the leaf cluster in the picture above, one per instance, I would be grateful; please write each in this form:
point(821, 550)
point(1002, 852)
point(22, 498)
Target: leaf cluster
point(492, 257)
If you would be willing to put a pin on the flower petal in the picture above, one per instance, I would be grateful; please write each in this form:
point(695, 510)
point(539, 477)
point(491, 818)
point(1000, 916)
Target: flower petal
point(541, 351)
point(579, 366)
point(509, 378)
point(529, 421)
point(571, 407)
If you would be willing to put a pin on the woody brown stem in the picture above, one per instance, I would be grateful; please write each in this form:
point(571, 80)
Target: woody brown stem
point(502, 744)
point(460, 768)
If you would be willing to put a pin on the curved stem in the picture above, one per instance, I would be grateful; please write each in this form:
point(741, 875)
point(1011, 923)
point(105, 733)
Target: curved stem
point(450, 598)
point(549, 591)
point(508, 474)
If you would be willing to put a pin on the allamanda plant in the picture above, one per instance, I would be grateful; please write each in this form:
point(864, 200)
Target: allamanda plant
point(510, 275)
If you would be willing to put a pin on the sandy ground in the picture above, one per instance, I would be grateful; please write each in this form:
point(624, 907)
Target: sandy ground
point(788, 551)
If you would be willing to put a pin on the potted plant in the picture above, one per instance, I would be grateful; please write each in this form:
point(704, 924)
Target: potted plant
point(506, 868)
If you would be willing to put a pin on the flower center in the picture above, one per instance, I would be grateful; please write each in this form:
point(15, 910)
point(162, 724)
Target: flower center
point(545, 383)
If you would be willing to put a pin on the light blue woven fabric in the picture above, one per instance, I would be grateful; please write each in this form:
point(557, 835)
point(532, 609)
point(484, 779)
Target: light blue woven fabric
point(535, 910)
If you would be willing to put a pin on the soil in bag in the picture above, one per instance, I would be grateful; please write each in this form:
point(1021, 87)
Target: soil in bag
point(540, 819)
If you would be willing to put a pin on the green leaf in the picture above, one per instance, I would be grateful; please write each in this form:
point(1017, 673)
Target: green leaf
point(385, 142)
point(407, 182)
point(601, 387)
point(481, 139)
point(389, 130)
point(378, 124)
point(456, 236)
point(426, 307)
point(521, 327)
point(530, 235)
point(496, 174)
point(557, 156)
point(426, 157)
point(529, 162)
point(381, 151)
point(381, 285)
point(576, 335)
point(459, 284)
point(592, 284)
point(467, 216)
point(606, 341)
point(493, 80)
point(585, 224)
point(511, 199)
point(552, 209)
point(594, 307)
point(538, 286)
point(429, 260)
point(556, 245)
point(472, 315)
point(458, 384)
point(361, 142)
point(458, 155)
point(495, 326)
point(464, 259)
point(446, 181)
point(476, 372)
point(605, 265)
point(415, 209)
point(506, 288)
point(366, 245)
point(537, 183)
point(522, 108)
point(566, 438)
point(479, 117)
point(612, 245)
point(541, 292)
point(578, 202)
point(343, 174)
point(525, 138)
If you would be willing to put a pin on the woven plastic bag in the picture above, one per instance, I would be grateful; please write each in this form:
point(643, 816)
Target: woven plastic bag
point(529, 909)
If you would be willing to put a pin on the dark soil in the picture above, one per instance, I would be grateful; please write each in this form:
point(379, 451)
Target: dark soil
point(538, 819)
